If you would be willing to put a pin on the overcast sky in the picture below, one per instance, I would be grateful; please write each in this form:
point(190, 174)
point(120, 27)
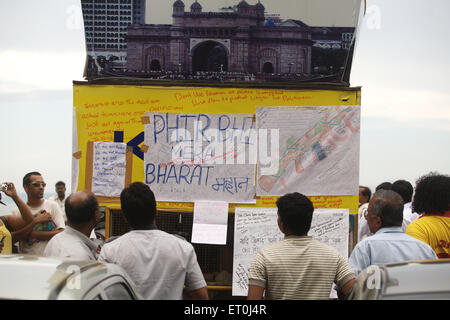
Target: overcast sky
point(401, 62)
point(311, 12)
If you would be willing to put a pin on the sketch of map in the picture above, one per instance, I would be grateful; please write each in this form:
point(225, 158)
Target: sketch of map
point(318, 150)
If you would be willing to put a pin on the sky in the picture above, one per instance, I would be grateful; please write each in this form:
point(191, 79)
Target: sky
point(401, 62)
point(311, 12)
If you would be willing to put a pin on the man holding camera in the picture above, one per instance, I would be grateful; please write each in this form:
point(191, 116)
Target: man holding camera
point(34, 186)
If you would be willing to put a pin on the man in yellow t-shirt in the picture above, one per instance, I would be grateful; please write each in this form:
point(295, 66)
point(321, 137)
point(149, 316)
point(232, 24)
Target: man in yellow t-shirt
point(433, 229)
point(432, 200)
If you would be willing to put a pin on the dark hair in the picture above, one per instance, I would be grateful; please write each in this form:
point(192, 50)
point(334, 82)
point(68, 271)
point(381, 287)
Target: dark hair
point(388, 205)
point(60, 183)
point(384, 186)
point(81, 212)
point(366, 192)
point(27, 178)
point(403, 188)
point(295, 211)
point(138, 205)
point(432, 193)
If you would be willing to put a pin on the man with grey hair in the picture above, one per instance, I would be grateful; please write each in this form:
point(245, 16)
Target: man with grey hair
point(389, 244)
point(83, 214)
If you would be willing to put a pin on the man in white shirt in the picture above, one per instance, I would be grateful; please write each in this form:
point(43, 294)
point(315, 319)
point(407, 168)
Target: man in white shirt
point(159, 263)
point(405, 190)
point(34, 186)
point(83, 214)
point(364, 197)
point(60, 197)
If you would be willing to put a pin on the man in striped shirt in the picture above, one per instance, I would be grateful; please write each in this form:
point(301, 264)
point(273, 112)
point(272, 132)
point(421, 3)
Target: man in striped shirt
point(298, 267)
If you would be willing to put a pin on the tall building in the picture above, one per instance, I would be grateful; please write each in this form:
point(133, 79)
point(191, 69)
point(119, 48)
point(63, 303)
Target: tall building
point(105, 24)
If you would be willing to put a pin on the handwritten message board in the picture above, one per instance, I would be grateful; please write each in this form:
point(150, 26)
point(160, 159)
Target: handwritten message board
point(256, 228)
point(115, 112)
point(331, 226)
point(200, 157)
point(108, 169)
point(109, 166)
point(210, 222)
point(318, 150)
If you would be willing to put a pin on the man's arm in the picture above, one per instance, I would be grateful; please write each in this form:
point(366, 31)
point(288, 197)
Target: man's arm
point(44, 235)
point(25, 211)
point(255, 292)
point(346, 289)
point(21, 230)
point(199, 294)
point(57, 218)
point(195, 282)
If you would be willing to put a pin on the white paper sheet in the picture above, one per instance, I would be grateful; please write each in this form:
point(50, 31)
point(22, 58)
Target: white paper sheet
point(210, 222)
point(108, 176)
point(254, 228)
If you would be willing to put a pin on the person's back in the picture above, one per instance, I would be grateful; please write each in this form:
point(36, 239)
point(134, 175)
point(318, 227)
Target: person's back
point(388, 244)
point(432, 200)
point(71, 244)
point(433, 229)
point(83, 214)
point(299, 267)
point(158, 263)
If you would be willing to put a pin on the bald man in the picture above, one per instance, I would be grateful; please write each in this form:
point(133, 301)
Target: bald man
point(83, 214)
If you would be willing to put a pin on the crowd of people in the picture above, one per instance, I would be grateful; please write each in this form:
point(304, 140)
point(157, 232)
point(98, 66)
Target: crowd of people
point(397, 223)
point(208, 75)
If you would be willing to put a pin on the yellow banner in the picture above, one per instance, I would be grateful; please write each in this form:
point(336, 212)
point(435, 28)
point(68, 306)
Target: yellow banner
point(117, 113)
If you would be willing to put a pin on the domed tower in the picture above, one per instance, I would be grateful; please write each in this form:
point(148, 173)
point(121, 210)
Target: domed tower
point(178, 13)
point(196, 7)
point(259, 10)
point(178, 8)
point(243, 7)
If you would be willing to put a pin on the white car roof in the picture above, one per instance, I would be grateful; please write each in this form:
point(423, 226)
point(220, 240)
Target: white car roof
point(41, 278)
point(418, 277)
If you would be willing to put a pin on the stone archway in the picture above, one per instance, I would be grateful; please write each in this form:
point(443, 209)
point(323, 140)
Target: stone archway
point(155, 65)
point(268, 60)
point(268, 68)
point(155, 58)
point(210, 56)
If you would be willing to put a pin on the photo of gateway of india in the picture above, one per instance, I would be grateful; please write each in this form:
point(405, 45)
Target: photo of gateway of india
point(238, 41)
